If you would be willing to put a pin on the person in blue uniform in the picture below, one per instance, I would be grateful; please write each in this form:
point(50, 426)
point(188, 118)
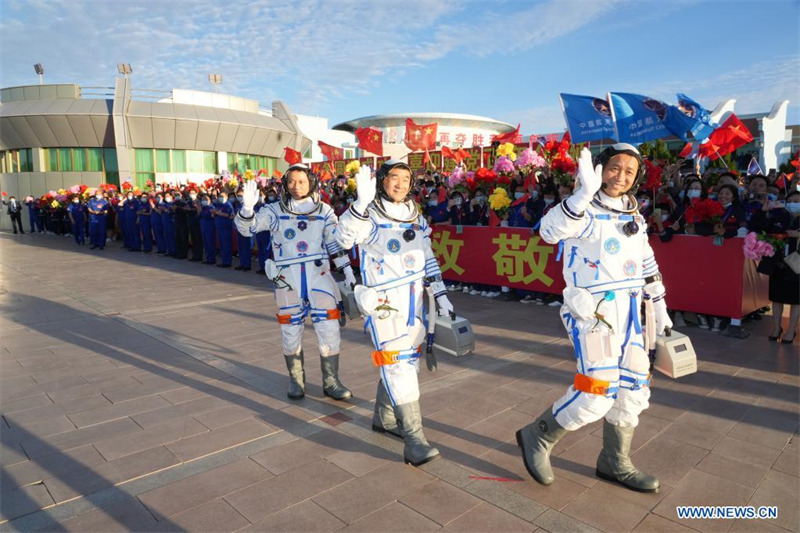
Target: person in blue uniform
point(33, 215)
point(155, 223)
point(98, 208)
point(263, 237)
point(168, 223)
point(181, 226)
point(143, 223)
point(77, 218)
point(244, 243)
point(129, 212)
point(223, 221)
point(207, 230)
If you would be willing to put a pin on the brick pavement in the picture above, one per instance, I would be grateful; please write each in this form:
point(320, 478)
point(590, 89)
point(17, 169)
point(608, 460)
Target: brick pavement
point(144, 393)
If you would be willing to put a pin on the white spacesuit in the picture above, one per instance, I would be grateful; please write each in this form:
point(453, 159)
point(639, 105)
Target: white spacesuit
point(303, 244)
point(397, 266)
point(609, 268)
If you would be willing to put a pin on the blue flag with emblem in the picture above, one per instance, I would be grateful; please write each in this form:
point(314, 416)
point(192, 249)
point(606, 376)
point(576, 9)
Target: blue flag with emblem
point(588, 118)
point(703, 125)
point(639, 118)
point(754, 168)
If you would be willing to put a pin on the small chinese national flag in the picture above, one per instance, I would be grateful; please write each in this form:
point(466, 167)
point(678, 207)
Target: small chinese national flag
point(510, 137)
point(292, 156)
point(420, 137)
point(371, 140)
point(331, 152)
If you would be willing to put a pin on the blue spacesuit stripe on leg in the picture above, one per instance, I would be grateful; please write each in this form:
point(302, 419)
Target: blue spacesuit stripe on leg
point(574, 397)
point(303, 282)
point(411, 305)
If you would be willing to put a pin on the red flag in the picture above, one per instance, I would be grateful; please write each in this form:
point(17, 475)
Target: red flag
point(331, 152)
point(426, 158)
point(686, 151)
point(463, 154)
point(732, 134)
point(442, 195)
point(521, 200)
point(277, 173)
point(420, 137)
point(781, 182)
point(371, 140)
point(510, 137)
point(292, 156)
point(458, 156)
point(494, 220)
point(566, 138)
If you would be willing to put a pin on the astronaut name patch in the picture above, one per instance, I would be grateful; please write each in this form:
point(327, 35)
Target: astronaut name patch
point(393, 246)
point(302, 247)
point(289, 234)
point(612, 246)
point(629, 268)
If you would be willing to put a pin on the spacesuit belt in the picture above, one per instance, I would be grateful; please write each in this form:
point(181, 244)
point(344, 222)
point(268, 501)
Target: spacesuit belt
point(400, 282)
point(592, 385)
point(298, 260)
point(381, 357)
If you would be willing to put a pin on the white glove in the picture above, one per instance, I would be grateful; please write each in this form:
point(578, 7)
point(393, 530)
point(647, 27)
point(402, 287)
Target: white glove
point(365, 185)
point(349, 277)
point(663, 320)
point(250, 193)
point(444, 305)
point(590, 179)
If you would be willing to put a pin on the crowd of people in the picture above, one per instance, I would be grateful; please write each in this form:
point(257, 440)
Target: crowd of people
point(194, 221)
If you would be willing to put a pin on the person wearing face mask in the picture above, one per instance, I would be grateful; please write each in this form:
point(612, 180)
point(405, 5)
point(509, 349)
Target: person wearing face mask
point(692, 190)
point(193, 225)
point(207, 230)
point(14, 210)
point(479, 209)
point(181, 209)
point(244, 243)
point(436, 211)
point(733, 217)
point(516, 211)
point(77, 217)
point(168, 222)
point(98, 208)
point(609, 268)
point(131, 232)
point(33, 215)
point(784, 284)
point(155, 223)
point(755, 196)
point(143, 218)
point(397, 267)
point(457, 212)
point(303, 245)
point(223, 221)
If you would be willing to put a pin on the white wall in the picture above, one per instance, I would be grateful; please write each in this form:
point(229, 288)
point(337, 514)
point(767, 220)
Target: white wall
point(316, 129)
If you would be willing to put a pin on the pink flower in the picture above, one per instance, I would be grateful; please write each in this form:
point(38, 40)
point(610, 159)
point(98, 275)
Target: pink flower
point(456, 177)
point(530, 158)
point(75, 189)
point(503, 165)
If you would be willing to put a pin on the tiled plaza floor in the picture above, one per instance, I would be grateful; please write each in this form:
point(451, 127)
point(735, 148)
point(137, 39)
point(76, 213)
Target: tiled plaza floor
point(144, 393)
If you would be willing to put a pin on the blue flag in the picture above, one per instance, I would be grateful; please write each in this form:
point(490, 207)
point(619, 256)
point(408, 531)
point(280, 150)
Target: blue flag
point(703, 126)
point(639, 119)
point(588, 118)
point(754, 168)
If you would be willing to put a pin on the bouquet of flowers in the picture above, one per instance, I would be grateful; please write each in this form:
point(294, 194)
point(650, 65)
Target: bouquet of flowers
point(653, 173)
point(529, 160)
point(499, 201)
point(456, 177)
point(707, 210)
point(759, 245)
point(352, 168)
point(560, 161)
point(507, 150)
point(504, 166)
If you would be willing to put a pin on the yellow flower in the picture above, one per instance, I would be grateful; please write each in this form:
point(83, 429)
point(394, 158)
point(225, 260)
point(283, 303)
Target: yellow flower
point(249, 175)
point(499, 199)
point(352, 167)
point(54, 205)
point(233, 183)
point(62, 191)
point(351, 185)
point(507, 149)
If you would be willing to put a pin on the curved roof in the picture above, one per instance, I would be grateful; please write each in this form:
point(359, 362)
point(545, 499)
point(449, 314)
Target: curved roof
point(444, 119)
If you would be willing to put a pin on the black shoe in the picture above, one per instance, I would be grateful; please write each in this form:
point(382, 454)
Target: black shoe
point(194, 260)
point(239, 268)
point(209, 263)
point(221, 265)
point(788, 341)
point(776, 337)
point(246, 269)
point(92, 247)
point(261, 271)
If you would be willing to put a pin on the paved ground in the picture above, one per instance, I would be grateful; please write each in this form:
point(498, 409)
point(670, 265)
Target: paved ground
point(145, 393)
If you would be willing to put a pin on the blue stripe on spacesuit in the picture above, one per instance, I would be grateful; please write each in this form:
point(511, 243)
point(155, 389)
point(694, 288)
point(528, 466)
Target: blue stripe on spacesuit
point(572, 254)
point(324, 292)
point(560, 250)
point(412, 306)
point(303, 282)
point(566, 404)
point(588, 227)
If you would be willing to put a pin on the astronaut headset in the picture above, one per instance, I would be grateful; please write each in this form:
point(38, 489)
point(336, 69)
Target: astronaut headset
point(380, 175)
point(622, 148)
point(313, 187)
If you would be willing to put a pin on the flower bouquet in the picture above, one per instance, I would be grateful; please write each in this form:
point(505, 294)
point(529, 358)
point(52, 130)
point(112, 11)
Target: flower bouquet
point(762, 247)
point(703, 215)
point(499, 202)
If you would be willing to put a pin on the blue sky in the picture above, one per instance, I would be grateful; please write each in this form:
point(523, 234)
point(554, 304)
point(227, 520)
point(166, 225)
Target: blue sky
point(345, 59)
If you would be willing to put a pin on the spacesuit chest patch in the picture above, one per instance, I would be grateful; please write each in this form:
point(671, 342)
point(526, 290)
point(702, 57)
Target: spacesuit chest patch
point(302, 247)
point(629, 268)
point(612, 246)
point(393, 246)
point(289, 234)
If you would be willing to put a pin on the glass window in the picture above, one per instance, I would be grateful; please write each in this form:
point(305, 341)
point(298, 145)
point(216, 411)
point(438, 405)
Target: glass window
point(94, 159)
point(144, 160)
point(3, 162)
point(113, 178)
point(231, 162)
point(162, 161)
point(79, 160)
point(14, 161)
point(142, 177)
point(51, 160)
point(179, 161)
point(194, 161)
point(25, 161)
point(110, 162)
point(240, 160)
point(65, 159)
point(210, 162)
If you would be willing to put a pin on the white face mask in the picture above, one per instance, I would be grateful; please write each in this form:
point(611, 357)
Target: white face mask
point(518, 195)
point(793, 207)
point(193, 196)
point(664, 217)
point(98, 197)
point(433, 203)
point(481, 199)
point(726, 206)
point(535, 195)
point(693, 193)
point(458, 201)
point(549, 201)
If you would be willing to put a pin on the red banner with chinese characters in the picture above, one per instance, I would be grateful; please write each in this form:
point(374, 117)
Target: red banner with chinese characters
point(700, 276)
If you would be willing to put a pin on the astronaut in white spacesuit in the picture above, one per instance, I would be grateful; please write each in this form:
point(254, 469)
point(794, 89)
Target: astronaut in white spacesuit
point(302, 228)
point(397, 265)
point(609, 269)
